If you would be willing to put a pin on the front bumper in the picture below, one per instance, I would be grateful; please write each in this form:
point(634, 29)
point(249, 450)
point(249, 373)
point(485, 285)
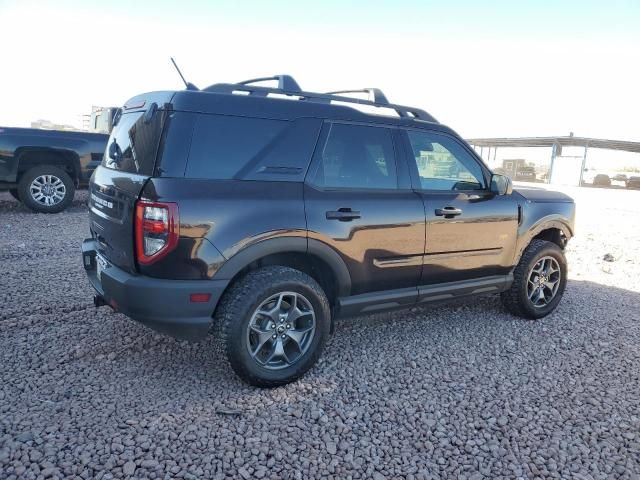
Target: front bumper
point(163, 305)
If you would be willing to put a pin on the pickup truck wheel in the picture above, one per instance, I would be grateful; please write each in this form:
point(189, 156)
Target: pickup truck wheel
point(275, 322)
point(46, 189)
point(14, 193)
point(539, 281)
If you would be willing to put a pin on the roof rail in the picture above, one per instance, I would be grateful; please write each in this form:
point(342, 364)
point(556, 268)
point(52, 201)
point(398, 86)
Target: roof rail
point(375, 94)
point(288, 86)
point(285, 82)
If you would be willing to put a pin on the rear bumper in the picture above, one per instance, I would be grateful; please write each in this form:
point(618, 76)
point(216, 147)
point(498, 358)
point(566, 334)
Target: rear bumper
point(163, 305)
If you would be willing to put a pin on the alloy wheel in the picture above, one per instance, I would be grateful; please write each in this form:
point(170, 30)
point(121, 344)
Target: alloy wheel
point(543, 282)
point(47, 190)
point(281, 330)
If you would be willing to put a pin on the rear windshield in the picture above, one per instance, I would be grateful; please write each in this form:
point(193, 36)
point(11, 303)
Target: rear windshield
point(133, 144)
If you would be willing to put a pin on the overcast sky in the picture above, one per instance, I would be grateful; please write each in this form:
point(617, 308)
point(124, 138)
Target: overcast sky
point(486, 68)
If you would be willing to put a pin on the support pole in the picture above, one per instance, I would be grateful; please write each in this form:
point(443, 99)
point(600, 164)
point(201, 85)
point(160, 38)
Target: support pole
point(554, 150)
point(584, 163)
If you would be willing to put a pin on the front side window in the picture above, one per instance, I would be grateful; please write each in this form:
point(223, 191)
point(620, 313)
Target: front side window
point(443, 163)
point(356, 156)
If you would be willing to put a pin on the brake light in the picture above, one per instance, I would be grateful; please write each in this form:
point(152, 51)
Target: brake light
point(156, 230)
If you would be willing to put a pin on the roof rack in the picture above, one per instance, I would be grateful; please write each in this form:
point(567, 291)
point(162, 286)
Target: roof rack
point(285, 82)
point(289, 87)
point(375, 94)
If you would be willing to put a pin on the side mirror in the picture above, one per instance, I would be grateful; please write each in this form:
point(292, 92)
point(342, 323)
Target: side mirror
point(501, 184)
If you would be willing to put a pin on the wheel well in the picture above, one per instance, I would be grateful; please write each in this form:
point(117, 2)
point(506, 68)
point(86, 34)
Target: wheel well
point(554, 235)
point(34, 157)
point(313, 266)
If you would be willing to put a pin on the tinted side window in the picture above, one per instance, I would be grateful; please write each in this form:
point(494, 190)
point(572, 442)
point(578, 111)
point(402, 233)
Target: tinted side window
point(356, 156)
point(444, 164)
point(133, 144)
point(223, 145)
point(288, 156)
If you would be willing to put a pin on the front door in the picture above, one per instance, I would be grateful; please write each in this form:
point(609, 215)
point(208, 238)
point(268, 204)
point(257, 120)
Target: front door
point(471, 232)
point(358, 202)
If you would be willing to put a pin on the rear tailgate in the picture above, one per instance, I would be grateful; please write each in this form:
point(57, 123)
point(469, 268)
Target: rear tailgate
point(129, 161)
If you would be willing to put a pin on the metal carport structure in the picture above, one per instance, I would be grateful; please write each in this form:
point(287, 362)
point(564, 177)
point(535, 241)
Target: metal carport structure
point(556, 144)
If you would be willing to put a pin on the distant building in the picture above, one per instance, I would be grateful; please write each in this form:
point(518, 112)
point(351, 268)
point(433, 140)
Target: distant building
point(48, 125)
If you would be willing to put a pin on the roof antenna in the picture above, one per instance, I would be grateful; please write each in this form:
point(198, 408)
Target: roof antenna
point(189, 85)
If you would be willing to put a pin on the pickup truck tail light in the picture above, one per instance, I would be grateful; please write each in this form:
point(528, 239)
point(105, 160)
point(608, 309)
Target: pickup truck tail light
point(157, 229)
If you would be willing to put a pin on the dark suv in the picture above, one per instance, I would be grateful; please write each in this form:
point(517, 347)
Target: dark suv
point(272, 211)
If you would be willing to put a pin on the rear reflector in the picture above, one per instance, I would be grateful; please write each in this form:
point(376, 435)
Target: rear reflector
point(200, 297)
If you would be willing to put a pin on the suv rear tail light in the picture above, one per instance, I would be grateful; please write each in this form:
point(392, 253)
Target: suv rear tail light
point(156, 229)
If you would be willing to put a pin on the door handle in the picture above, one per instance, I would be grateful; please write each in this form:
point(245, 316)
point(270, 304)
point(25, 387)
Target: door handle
point(448, 212)
point(343, 214)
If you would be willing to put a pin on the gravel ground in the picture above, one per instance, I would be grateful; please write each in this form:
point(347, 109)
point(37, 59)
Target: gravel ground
point(462, 391)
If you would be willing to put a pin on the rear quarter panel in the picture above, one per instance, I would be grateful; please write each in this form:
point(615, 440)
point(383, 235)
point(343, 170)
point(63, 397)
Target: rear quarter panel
point(219, 218)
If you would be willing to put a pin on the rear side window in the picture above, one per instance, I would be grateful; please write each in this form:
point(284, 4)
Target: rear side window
point(133, 144)
point(223, 147)
point(356, 156)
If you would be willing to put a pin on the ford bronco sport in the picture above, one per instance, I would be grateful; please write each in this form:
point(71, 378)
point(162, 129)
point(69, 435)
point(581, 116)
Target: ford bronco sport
point(271, 211)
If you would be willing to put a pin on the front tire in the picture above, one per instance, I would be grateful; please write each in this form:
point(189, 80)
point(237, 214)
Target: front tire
point(275, 322)
point(539, 281)
point(46, 189)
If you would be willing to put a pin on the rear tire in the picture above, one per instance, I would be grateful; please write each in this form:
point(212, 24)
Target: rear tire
point(539, 281)
point(14, 193)
point(267, 341)
point(46, 189)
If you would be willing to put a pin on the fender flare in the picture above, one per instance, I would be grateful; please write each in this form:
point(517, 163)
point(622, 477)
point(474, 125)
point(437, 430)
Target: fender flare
point(272, 246)
point(546, 223)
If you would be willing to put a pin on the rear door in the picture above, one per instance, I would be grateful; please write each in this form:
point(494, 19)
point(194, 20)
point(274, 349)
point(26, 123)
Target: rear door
point(129, 160)
point(358, 200)
point(470, 232)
